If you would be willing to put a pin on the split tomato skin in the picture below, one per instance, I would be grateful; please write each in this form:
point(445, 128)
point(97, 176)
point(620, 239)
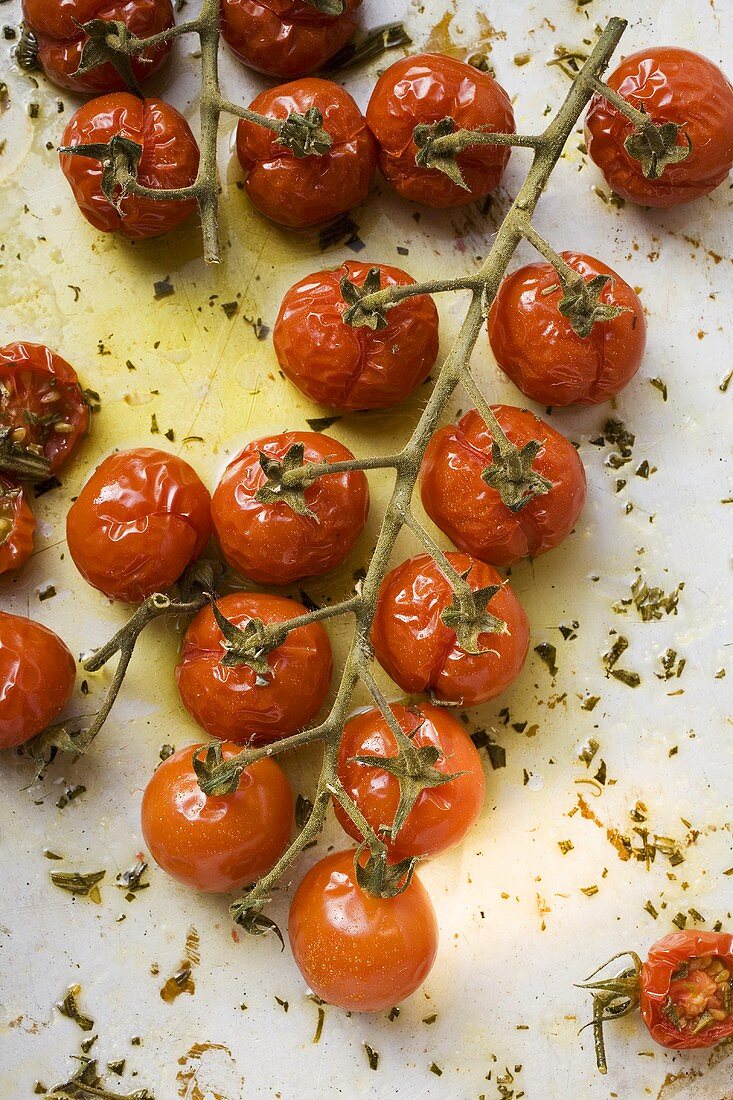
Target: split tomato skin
point(657, 987)
point(422, 654)
point(422, 90)
point(216, 843)
point(61, 40)
point(37, 673)
point(140, 520)
point(535, 345)
point(360, 953)
point(285, 38)
point(671, 85)
point(472, 513)
point(271, 543)
point(300, 192)
point(17, 524)
point(170, 159)
point(236, 704)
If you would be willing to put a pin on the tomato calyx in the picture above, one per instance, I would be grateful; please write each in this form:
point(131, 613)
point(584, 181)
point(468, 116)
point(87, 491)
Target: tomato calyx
point(513, 476)
point(380, 878)
point(304, 135)
point(468, 617)
point(108, 42)
point(248, 645)
point(358, 315)
point(22, 462)
point(430, 155)
point(26, 52)
point(612, 999)
point(655, 146)
point(287, 480)
point(216, 776)
point(581, 302)
point(120, 158)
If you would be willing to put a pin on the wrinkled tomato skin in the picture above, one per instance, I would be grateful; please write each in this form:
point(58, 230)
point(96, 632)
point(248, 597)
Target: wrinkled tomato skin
point(426, 89)
point(17, 524)
point(664, 958)
point(61, 40)
point(34, 380)
point(421, 654)
point(170, 159)
point(538, 349)
point(442, 816)
point(671, 85)
point(472, 513)
point(140, 520)
point(285, 38)
point(360, 953)
point(216, 843)
point(272, 544)
point(230, 703)
point(354, 368)
point(37, 674)
point(307, 191)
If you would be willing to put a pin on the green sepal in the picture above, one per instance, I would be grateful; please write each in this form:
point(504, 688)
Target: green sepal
point(356, 316)
point(304, 135)
point(424, 136)
point(469, 618)
point(119, 158)
point(275, 491)
point(516, 487)
point(99, 50)
point(655, 147)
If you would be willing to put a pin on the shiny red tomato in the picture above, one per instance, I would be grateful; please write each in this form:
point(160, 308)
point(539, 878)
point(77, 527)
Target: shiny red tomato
point(57, 28)
point(536, 346)
point(354, 368)
point(271, 543)
point(423, 90)
point(670, 85)
point(17, 524)
point(139, 521)
point(42, 401)
point(239, 704)
point(170, 159)
point(216, 843)
point(37, 675)
point(691, 972)
point(422, 654)
point(286, 38)
point(304, 191)
point(355, 951)
point(472, 513)
point(442, 815)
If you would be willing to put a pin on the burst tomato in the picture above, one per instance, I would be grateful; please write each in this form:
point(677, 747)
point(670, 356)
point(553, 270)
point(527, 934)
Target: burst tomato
point(305, 191)
point(355, 951)
point(536, 346)
point(216, 843)
point(422, 654)
point(686, 989)
point(471, 512)
point(286, 38)
point(670, 85)
point(17, 524)
point(37, 675)
point(170, 159)
point(426, 89)
point(354, 368)
point(270, 542)
point(142, 517)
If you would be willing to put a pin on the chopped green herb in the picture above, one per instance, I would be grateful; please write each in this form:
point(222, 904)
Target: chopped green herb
point(372, 1056)
point(659, 385)
point(163, 289)
point(131, 878)
point(321, 423)
point(651, 910)
point(75, 882)
point(588, 751)
point(565, 846)
point(680, 920)
point(434, 1068)
point(590, 702)
point(547, 654)
point(68, 1007)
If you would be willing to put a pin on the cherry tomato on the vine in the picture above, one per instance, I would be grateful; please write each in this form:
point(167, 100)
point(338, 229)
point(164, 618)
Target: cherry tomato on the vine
point(238, 703)
point(216, 843)
point(270, 542)
point(354, 368)
point(57, 28)
point(686, 989)
point(286, 38)
point(422, 654)
point(298, 192)
point(670, 85)
point(471, 512)
point(536, 346)
point(37, 674)
point(423, 90)
point(17, 524)
point(170, 159)
point(355, 951)
point(140, 520)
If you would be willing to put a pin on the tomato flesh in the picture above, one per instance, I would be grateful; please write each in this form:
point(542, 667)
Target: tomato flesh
point(687, 989)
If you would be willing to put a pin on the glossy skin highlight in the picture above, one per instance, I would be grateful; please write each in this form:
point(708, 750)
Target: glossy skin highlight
point(17, 524)
point(37, 673)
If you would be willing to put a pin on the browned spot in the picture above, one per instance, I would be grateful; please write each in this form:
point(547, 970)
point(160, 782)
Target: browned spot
point(193, 946)
point(182, 981)
point(620, 843)
point(441, 39)
point(215, 1063)
point(587, 813)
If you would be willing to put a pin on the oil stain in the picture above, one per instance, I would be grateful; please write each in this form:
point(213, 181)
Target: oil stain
point(443, 40)
point(182, 981)
point(208, 1072)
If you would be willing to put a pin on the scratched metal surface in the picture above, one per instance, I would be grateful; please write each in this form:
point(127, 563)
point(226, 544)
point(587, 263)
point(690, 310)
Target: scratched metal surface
point(517, 928)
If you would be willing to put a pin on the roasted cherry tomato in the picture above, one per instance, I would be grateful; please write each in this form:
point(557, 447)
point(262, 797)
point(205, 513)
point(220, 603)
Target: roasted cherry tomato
point(57, 29)
point(443, 814)
point(355, 951)
point(142, 517)
point(17, 524)
point(422, 654)
point(238, 703)
point(37, 675)
point(670, 85)
point(304, 191)
point(354, 368)
point(687, 989)
point(286, 38)
point(270, 542)
point(42, 401)
point(216, 843)
point(537, 347)
point(471, 512)
point(170, 159)
point(426, 89)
